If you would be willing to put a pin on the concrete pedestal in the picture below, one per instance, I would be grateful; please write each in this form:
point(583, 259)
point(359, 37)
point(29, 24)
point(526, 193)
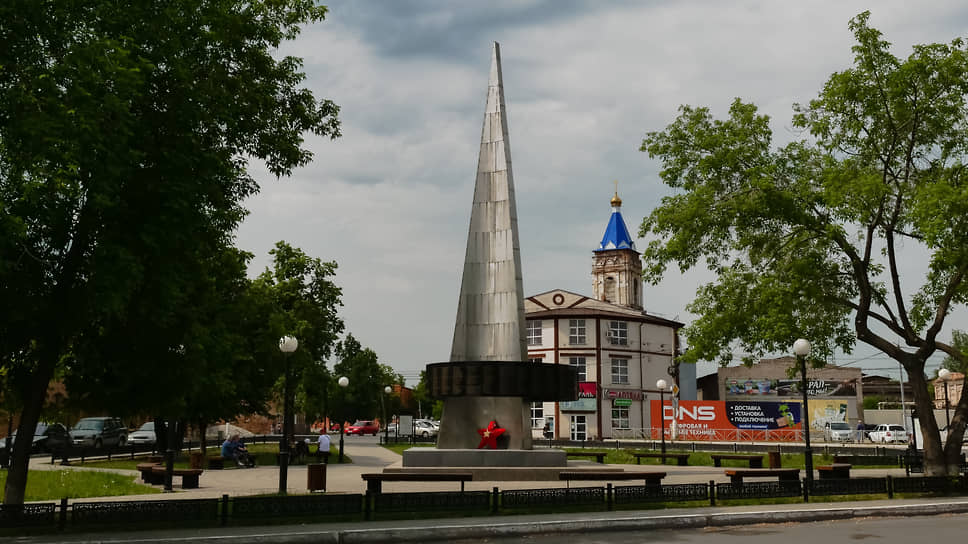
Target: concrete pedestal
point(435, 457)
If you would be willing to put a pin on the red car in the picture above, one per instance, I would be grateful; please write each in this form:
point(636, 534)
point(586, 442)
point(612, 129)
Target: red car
point(363, 427)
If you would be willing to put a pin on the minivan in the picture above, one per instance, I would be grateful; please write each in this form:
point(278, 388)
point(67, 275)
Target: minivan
point(99, 432)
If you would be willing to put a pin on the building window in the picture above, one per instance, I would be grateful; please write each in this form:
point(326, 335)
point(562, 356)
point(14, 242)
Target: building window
point(620, 371)
point(534, 332)
point(618, 333)
point(578, 428)
point(620, 417)
point(537, 415)
point(579, 362)
point(576, 332)
point(536, 360)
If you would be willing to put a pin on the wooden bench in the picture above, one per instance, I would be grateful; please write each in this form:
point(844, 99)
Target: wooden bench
point(216, 463)
point(651, 478)
point(682, 459)
point(755, 461)
point(736, 475)
point(598, 455)
point(189, 476)
point(374, 481)
point(147, 476)
point(835, 471)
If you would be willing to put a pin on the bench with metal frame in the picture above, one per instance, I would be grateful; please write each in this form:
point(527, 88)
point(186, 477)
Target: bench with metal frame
point(736, 475)
point(755, 461)
point(154, 474)
point(651, 479)
point(598, 455)
point(682, 459)
point(374, 481)
point(834, 471)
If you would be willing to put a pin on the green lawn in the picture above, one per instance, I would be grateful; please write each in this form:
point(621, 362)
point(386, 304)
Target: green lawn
point(44, 485)
point(265, 455)
point(399, 447)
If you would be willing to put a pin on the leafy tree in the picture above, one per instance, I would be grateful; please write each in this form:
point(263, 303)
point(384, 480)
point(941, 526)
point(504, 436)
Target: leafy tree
point(959, 341)
point(124, 137)
point(306, 302)
point(871, 401)
point(427, 406)
point(804, 239)
point(367, 377)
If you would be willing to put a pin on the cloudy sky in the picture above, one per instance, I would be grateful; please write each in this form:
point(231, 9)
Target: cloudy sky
point(584, 81)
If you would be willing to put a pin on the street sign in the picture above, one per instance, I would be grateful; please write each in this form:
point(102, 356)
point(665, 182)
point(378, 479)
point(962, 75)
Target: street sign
point(675, 390)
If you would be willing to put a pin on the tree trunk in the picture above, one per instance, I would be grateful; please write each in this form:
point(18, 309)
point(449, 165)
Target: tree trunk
point(34, 399)
point(935, 462)
point(202, 444)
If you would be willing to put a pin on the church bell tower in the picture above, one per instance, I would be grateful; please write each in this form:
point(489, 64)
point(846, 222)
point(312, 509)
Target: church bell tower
point(616, 265)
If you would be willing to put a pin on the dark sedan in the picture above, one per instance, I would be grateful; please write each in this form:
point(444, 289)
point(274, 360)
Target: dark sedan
point(47, 437)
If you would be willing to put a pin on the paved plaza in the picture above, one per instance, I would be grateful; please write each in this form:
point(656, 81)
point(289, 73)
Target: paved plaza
point(369, 456)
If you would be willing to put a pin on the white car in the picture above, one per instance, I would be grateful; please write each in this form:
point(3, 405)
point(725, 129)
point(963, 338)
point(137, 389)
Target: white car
point(144, 435)
point(424, 428)
point(837, 432)
point(889, 433)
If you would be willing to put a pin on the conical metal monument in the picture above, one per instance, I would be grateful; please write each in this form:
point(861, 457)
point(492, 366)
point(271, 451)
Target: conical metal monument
point(488, 378)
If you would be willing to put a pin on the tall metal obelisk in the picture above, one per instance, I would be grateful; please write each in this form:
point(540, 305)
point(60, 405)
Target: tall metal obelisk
point(490, 311)
point(487, 386)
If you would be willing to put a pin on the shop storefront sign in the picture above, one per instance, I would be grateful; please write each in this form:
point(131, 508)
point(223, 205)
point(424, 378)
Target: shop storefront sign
point(631, 394)
point(587, 395)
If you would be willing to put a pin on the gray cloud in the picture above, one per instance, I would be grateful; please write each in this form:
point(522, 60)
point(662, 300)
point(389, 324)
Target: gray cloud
point(584, 82)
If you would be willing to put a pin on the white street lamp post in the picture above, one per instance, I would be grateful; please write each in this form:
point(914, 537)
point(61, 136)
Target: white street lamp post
point(801, 348)
point(661, 386)
point(287, 345)
point(945, 375)
point(343, 382)
point(386, 422)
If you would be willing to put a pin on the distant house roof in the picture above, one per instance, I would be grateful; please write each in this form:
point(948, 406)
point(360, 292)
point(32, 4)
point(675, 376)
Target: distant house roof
point(560, 303)
point(616, 233)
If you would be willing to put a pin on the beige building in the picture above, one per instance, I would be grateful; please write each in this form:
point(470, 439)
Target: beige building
point(620, 350)
point(955, 384)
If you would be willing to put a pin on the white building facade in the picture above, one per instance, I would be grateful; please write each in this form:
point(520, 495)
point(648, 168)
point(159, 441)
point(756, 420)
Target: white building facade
point(620, 350)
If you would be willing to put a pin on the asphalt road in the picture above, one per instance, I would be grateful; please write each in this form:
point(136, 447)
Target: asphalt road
point(941, 528)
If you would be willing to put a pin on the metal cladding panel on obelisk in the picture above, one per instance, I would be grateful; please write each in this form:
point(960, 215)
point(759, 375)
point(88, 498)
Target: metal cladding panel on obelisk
point(487, 379)
point(490, 311)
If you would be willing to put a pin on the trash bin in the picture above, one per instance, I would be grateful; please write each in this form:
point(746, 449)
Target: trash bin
point(316, 477)
point(196, 459)
point(774, 458)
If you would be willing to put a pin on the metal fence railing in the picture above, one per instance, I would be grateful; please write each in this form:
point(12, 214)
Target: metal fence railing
point(227, 510)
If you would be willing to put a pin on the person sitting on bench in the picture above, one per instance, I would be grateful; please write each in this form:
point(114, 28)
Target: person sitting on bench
point(233, 448)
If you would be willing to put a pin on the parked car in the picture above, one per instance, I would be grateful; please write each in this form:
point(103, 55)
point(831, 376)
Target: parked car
point(944, 436)
point(424, 428)
point(431, 422)
point(47, 437)
point(889, 433)
point(145, 435)
point(837, 431)
point(99, 432)
point(363, 427)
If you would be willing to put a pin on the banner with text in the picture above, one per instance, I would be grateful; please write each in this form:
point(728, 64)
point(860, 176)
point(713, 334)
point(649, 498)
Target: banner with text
point(729, 420)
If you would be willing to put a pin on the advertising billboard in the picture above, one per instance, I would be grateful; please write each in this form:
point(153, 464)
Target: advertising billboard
point(764, 387)
point(587, 394)
point(729, 420)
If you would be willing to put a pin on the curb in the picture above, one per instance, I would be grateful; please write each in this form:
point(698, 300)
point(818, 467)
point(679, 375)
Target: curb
point(544, 527)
